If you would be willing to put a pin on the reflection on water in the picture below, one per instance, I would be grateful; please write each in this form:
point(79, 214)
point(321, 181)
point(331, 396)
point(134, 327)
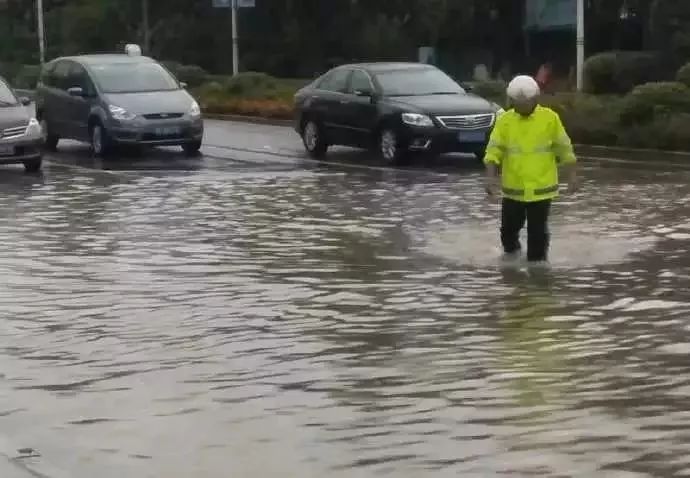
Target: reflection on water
point(311, 323)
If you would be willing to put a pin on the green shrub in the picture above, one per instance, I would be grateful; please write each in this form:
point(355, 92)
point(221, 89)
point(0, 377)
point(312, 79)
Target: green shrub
point(9, 70)
point(251, 84)
point(618, 72)
point(665, 132)
point(588, 119)
point(191, 74)
point(683, 75)
point(651, 100)
point(492, 90)
point(27, 77)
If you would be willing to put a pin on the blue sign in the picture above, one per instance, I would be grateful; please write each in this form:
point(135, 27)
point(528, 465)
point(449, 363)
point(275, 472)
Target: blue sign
point(550, 14)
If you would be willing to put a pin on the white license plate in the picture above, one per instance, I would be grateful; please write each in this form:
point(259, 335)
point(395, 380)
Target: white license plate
point(168, 131)
point(6, 150)
point(472, 136)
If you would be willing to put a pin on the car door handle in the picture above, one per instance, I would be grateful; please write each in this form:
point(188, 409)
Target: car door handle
point(344, 102)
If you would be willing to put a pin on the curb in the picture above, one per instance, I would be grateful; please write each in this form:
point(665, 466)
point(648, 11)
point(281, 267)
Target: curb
point(584, 149)
point(249, 119)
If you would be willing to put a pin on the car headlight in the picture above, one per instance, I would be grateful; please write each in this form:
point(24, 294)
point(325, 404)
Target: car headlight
point(416, 119)
point(121, 114)
point(195, 110)
point(499, 110)
point(33, 130)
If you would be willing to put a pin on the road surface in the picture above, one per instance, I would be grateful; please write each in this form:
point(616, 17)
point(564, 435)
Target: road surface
point(255, 313)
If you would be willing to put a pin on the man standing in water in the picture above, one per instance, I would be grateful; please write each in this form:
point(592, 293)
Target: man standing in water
point(527, 145)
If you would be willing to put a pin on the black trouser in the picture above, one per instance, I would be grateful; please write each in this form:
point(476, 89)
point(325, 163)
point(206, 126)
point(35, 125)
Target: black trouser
point(513, 216)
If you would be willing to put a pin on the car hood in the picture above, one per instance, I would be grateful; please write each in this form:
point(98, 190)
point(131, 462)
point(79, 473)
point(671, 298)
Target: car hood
point(13, 116)
point(463, 103)
point(177, 101)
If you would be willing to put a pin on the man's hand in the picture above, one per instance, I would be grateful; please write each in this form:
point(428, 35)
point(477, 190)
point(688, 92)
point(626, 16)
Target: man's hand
point(492, 182)
point(573, 181)
point(493, 189)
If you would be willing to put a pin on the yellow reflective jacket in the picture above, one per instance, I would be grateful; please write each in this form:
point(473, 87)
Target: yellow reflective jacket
point(528, 151)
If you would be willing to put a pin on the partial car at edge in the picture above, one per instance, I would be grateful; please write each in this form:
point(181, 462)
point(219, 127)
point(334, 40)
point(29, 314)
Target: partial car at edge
point(394, 108)
point(20, 134)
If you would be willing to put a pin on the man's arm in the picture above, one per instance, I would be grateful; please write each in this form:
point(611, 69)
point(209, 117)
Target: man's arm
point(566, 154)
point(493, 158)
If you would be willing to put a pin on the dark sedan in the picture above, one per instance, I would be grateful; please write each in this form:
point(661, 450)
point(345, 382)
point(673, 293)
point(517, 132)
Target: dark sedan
point(395, 108)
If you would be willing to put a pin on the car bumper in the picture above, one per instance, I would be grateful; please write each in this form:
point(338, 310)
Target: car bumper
point(158, 133)
point(445, 140)
point(20, 150)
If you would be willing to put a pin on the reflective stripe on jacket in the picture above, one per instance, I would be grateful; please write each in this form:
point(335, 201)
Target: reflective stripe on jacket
point(528, 151)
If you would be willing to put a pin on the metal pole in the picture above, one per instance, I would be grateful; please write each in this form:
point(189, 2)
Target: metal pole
point(145, 26)
point(235, 41)
point(41, 31)
point(580, 43)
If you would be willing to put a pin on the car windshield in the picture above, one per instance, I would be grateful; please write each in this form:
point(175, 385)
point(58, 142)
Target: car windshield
point(7, 98)
point(417, 82)
point(133, 78)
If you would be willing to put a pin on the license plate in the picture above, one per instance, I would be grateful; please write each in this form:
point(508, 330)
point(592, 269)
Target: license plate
point(168, 131)
point(6, 150)
point(472, 136)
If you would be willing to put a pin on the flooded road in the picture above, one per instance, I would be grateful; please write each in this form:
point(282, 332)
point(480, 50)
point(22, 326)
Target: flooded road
point(255, 314)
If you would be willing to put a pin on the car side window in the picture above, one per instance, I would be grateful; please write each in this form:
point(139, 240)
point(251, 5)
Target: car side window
point(78, 77)
point(336, 81)
point(360, 82)
point(61, 75)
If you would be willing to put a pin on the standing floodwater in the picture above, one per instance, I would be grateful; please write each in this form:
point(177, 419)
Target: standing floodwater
point(297, 322)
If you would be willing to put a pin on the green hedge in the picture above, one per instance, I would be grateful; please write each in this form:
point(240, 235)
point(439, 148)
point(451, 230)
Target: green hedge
point(618, 72)
point(193, 75)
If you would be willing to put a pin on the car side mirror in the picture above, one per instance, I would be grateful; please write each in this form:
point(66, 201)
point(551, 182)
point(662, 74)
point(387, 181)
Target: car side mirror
point(76, 91)
point(364, 93)
point(184, 85)
point(25, 101)
point(468, 87)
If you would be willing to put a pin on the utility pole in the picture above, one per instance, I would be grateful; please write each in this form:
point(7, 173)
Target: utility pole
point(580, 43)
point(235, 41)
point(41, 31)
point(145, 26)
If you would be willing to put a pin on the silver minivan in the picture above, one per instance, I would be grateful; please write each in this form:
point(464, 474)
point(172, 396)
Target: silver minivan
point(116, 99)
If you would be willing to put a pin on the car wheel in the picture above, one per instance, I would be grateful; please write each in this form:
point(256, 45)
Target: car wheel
point(100, 141)
point(192, 149)
point(33, 165)
point(50, 141)
point(313, 139)
point(479, 155)
point(391, 149)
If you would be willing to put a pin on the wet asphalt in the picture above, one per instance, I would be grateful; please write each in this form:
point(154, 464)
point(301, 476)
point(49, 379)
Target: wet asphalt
point(252, 312)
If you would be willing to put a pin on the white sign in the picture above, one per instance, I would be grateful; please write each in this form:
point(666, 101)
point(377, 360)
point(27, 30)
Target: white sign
point(222, 3)
point(246, 3)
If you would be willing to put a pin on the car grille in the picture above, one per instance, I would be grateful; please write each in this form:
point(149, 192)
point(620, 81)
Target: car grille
point(10, 133)
point(480, 121)
point(157, 116)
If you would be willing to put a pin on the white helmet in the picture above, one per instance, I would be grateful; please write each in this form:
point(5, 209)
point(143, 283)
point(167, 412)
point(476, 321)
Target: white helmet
point(523, 88)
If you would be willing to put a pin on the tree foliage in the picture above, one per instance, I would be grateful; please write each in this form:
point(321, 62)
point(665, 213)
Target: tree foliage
point(299, 38)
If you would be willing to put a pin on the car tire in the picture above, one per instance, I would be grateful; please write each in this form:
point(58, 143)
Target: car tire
point(50, 141)
point(191, 150)
point(479, 155)
point(33, 165)
point(101, 145)
point(390, 147)
point(314, 140)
